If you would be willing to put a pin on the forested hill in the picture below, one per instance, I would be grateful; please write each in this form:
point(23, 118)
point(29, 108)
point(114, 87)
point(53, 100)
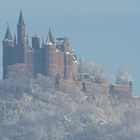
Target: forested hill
point(31, 109)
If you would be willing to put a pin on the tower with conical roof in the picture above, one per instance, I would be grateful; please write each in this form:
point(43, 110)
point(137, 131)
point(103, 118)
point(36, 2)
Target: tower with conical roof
point(50, 38)
point(21, 40)
point(20, 31)
point(8, 40)
point(8, 35)
point(49, 54)
point(8, 51)
point(54, 57)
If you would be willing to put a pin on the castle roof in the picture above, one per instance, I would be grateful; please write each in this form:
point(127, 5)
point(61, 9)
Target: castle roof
point(21, 20)
point(8, 35)
point(50, 38)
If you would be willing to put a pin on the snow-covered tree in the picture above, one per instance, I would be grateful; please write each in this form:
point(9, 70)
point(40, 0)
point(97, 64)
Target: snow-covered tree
point(123, 78)
point(95, 73)
point(112, 80)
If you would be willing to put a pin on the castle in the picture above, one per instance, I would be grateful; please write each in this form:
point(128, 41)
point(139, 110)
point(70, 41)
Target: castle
point(51, 57)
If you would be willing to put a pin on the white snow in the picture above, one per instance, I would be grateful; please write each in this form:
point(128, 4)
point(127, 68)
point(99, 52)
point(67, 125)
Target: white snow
point(49, 43)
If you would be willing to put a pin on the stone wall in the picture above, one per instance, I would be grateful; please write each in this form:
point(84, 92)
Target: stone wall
point(21, 69)
point(136, 101)
point(91, 88)
point(121, 90)
point(69, 86)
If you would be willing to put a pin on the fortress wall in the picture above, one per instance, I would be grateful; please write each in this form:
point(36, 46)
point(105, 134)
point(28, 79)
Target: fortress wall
point(39, 61)
point(61, 62)
point(75, 70)
point(56, 62)
point(52, 58)
point(68, 67)
point(121, 90)
point(25, 69)
point(29, 57)
point(47, 59)
point(136, 101)
point(91, 88)
point(69, 86)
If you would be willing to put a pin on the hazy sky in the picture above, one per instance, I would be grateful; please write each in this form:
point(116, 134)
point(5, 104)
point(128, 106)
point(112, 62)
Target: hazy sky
point(104, 31)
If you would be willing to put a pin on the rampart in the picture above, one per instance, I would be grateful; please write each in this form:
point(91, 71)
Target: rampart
point(69, 85)
point(121, 90)
point(91, 88)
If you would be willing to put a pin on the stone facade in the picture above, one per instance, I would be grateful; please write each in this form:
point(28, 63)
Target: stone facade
point(52, 57)
point(90, 88)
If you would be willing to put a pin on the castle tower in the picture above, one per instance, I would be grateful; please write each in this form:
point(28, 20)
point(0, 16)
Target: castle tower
point(28, 54)
point(36, 42)
point(50, 55)
point(20, 31)
point(68, 60)
point(68, 66)
point(66, 45)
point(39, 64)
point(8, 41)
point(50, 38)
point(8, 48)
point(20, 38)
point(28, 59)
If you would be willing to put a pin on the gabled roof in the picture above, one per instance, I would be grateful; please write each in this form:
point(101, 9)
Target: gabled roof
point(50, 38)
point(8, 34)
point(21, 20)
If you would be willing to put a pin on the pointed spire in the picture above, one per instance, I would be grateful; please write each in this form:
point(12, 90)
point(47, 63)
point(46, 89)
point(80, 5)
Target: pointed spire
point(8, 34)
point(21, 21)
point(50, 38)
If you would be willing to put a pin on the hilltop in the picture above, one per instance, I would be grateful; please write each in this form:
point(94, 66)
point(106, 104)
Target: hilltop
point(48, 93)
point(32, 109)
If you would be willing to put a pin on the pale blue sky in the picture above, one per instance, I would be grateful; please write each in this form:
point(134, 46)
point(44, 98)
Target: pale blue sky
point(104, 31)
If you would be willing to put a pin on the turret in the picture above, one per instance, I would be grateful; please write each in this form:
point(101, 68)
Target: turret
point(8, 52)
point(36, 42)
point(68, 60)
point(8, 41)
point(20, 31)
point(66, 45)
point(50, 38)
point(21, 39)
point(50, 55)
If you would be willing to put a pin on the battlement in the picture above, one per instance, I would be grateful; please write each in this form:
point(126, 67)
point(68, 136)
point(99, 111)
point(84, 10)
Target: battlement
point(121, 90)
point(91, 88)
point(53, 57)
